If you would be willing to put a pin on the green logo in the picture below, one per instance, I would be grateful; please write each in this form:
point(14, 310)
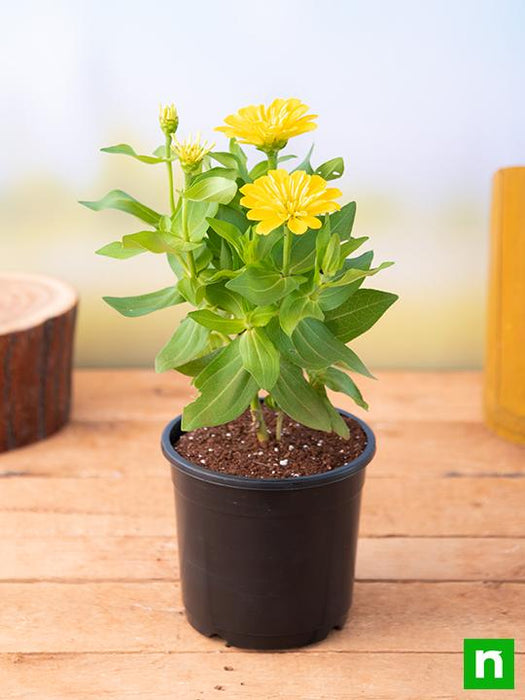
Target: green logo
point(488, 663)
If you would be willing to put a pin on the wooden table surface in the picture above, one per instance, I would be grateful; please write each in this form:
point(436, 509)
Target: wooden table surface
point(90, 603)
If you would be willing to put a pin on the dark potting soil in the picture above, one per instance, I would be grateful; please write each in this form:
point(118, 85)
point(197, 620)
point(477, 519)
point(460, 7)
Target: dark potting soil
point(233, 448)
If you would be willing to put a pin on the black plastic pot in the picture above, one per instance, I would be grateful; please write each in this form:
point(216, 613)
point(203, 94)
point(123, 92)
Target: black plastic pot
point(266, 563)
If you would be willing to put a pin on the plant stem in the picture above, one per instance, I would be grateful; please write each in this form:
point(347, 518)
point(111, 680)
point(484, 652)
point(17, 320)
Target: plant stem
point(191, 259)
point(272, 160)
point(278, 426)
point(170, 173)
point(287, 248)
point(258, 419)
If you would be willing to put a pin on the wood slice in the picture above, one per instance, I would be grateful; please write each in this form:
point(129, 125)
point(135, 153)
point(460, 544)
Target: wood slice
point(37, 322)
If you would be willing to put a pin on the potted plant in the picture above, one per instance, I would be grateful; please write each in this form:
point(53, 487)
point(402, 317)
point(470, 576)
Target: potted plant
point(267, 473)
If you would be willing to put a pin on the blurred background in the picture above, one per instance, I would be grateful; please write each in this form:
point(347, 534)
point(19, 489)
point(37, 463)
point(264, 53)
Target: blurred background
point(425, 101)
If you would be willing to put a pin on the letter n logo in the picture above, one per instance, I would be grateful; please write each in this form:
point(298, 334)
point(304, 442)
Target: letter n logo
point(488, 663)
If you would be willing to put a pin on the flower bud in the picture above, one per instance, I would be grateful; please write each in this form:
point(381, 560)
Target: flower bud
point(168, 119)
point(191, 152)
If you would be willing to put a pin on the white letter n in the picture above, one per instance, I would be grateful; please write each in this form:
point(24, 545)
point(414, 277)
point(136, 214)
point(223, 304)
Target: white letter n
point(482, 656)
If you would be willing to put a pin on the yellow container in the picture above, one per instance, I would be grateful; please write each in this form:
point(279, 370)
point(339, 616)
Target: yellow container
point(505, 356)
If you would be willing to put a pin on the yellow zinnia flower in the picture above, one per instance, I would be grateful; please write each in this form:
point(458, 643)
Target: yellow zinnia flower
point(191, 151)
point(269, 127)
point(295, 199)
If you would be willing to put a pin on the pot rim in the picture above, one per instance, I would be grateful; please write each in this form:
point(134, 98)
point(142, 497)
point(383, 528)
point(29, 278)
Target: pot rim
point(290, 483)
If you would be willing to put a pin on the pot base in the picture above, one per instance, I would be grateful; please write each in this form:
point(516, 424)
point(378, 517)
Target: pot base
point(263, 642)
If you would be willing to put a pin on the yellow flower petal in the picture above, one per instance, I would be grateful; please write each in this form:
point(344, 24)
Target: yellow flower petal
point(312, 222)
point(297, 226)
point(267, 226)
point(269, 127)
point(295, 199)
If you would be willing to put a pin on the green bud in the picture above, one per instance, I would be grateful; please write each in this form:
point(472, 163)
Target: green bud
point(168, 119)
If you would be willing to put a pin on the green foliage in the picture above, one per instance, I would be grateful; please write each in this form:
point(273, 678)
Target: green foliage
point(185, 345)
point(359, 313)
point(332, 169)
point(266, 315)
point(212, 189)
point(259, 357)
point(261, 284)
point(145, 303)
point(116, 199)
point(226, 389)
point(124, 149)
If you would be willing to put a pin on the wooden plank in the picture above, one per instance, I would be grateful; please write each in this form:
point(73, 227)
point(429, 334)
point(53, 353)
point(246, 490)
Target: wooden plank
point(126, 617)
point(91, 449)
point(391, 507)
point(64, 524)
point(291, 675)
point(443, 449)
point(156, 558)
point(108, 394)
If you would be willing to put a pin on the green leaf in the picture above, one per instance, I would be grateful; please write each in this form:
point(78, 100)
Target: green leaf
point(355, 364)
point(262, 168)
point(157, 242)
point(261, 285)
point(229, 173)
point(226, 159)
point(226, 391)
point(196, 220)
point(212, 189)
point(265, 244)
point(117, 250)
point(203, 257)
point(298, 399)
point(332, 297)
point(305, 164)
point(210, 277)
point(331, 261)
point(124, 149)
point(216, 322)
point(337, 423)
point(352, 244)
point(160, 151)
point(322, 240)
point(116, 199)
point(261, 315)
point(259, 170)
point(361, 262)
point(359, 314)
point(230, 233)
point(241, 158)
point(185, 345)
point(354, 274)
point(145, 303)
point(218, 295)
point(294, 308)
point(213, 346)
point(302, 255)
point(318, 348)
point(332, 169)
point(259, 357)
point(281, 341)
point(340, 381)
point(233, 216)
point(196, 366)
point(342, 221)
point(192, 290)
